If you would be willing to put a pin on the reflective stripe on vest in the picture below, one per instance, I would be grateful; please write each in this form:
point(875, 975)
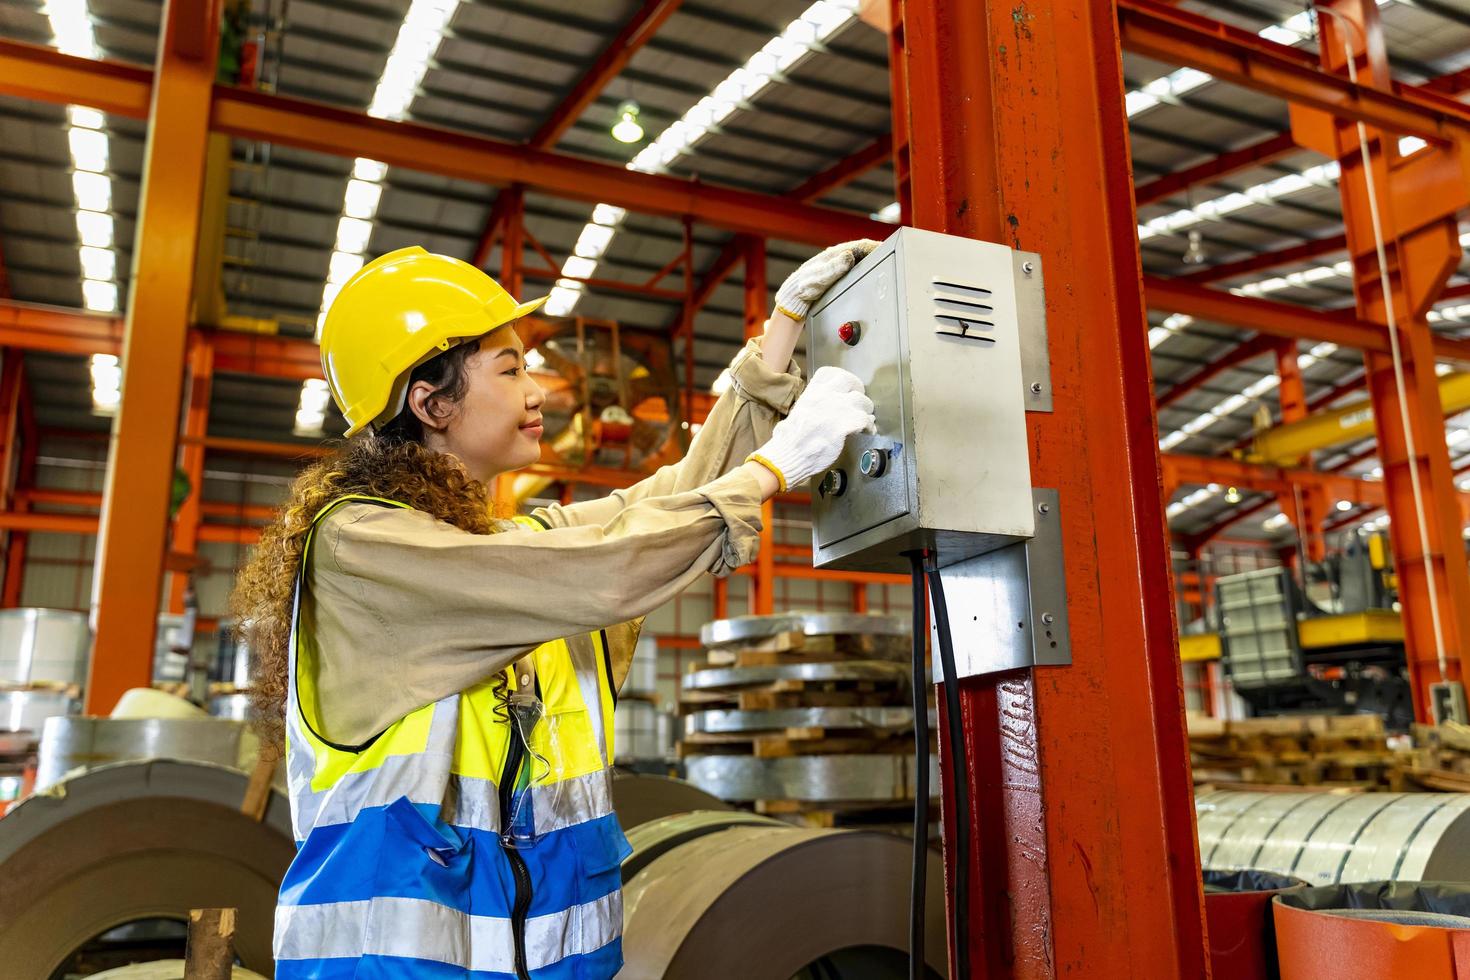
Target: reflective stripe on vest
point(399, 849)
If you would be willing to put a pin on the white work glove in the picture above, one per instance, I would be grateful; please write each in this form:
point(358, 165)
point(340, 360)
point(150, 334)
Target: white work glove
point(817, 274)
point(809, 440)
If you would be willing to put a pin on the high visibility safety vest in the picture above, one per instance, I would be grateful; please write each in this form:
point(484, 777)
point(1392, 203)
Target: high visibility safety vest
point(400, 870)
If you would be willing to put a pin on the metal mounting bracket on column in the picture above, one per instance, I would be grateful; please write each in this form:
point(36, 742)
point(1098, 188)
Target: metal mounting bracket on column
point(1031, 320)
point(1008, 608)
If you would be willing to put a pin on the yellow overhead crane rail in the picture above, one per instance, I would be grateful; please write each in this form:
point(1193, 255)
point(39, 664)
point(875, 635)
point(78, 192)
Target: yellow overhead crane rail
point(1316, 633)
point(1286, 444)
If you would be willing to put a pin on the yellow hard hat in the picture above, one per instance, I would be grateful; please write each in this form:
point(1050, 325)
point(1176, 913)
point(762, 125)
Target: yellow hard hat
point(396, 312)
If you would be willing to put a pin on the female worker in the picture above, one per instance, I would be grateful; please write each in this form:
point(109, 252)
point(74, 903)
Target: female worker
point(444, 682)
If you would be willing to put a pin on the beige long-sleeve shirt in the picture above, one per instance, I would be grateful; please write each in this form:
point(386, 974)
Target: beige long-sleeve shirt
point(407, 609)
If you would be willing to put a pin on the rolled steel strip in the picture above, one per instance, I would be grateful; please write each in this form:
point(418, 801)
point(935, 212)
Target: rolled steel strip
point(743, 629)
point(809, 778)
point(657, 837)
point(1330, 838)
point(134, 841)
point(756, 901)
point(640, 798)
point(861, 718)
point(845, 670)
point(68, 743)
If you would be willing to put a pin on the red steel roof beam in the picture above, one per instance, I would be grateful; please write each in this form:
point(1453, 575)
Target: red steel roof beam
point(638, 31)
point(36, 72)
point(844, 171)
point(1235, 55)
point(1255, 347)
point(1281, 319)
point(1272, 148)
point(818, 186)
point(1269, 260)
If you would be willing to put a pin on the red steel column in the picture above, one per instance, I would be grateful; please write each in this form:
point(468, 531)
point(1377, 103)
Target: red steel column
point(12, 377)
point(191, 460)
point(898, 89)
point(1082, 819)
point(1417, 198)
point(25, 479)
point(757, 308)
point(1306, 506)
point(513, 241)
point(140, 464)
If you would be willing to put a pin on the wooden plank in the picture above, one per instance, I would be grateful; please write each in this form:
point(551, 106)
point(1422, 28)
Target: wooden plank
point(210, 950)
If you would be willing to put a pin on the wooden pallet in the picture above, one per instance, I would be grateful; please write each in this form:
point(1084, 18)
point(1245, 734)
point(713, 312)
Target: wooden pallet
point(797, 694)
point(784, 742)
point(896, 816)
point(1313, 750)
point(795, 647)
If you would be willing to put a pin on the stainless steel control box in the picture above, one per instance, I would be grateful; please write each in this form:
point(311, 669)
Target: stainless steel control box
point(930, 324)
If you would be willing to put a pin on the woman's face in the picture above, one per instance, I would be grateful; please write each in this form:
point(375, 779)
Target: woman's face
point(497, 427)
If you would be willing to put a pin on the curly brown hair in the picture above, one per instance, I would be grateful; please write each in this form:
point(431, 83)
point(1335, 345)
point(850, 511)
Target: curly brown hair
point(393, 464)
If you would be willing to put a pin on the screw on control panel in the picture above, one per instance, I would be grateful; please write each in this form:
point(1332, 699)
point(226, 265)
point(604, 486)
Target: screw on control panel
point(1036, 387)
point(1048, 618)
point(834, 484)
point(1028, 268)
point(1043, 508)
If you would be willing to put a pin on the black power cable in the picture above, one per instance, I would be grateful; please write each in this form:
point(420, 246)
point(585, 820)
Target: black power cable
point(954, 750)
point(917, 967)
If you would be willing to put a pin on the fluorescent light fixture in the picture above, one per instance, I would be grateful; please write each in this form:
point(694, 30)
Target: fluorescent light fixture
point(370, 170)
point(1171, 325)
point(534, 360)
point(97, 263)
point(418, 40)
point(94, 228)
point(88, 149)
point(93, 191)
point(722, 383)
point(802, 36)
point(106, 384)
point(361, 199)
point(593, 241)
point(71, 27)
point(608, 214)
point(1344, 505)
point(1276, 522)
point(577, 267)
point(99, 296)
point(890, 213)
point(353, 234)
point(1234, 402)
point(84, 117)
point(563, 297)
point(343, 266)
point(311, 407)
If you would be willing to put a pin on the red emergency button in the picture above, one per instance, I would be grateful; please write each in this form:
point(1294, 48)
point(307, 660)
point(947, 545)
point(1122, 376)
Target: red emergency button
point(848, 333)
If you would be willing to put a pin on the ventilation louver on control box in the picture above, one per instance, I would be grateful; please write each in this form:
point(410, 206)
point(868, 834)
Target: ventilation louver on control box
point(963, 311)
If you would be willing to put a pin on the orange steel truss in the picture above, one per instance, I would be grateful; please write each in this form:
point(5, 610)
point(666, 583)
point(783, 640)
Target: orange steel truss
point(132, 540)
point(1082, 821)
point(1415, 200)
